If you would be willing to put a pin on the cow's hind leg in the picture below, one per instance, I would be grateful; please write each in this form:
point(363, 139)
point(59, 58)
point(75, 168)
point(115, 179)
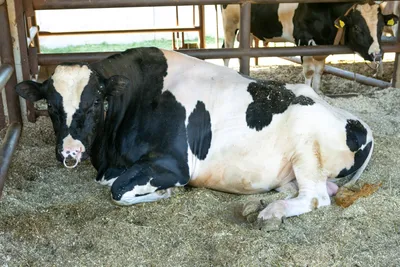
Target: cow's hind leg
point(148, 180)
point(313, 191)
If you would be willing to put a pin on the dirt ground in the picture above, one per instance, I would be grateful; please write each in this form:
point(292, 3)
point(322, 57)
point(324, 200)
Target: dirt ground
point(53, 216)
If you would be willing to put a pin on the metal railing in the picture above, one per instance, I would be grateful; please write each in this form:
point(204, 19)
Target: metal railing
point(8, 80)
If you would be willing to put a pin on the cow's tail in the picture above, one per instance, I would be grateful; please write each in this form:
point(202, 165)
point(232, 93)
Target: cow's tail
point(355, 176)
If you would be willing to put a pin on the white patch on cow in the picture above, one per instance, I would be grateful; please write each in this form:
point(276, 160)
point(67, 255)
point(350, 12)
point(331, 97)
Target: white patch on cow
point(72, 147)
point(285, 15)
point(370, 14)
point(69, 82)
point(108, 182)
point(130, 198)
point(143, 189)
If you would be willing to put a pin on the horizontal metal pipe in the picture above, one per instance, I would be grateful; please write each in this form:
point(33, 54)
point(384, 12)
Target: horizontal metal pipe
point(54, 59)
point(177, 29)
point(349, 75)
point(7, 150)
point(68, 4)
point(6, 71)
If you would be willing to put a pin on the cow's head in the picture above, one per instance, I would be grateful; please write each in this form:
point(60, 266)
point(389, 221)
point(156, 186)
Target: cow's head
point(75, 95)
point(363, 29)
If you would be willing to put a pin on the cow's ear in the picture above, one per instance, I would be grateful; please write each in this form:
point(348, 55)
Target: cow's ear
point(390, 19)
point(341, 22)
point(117, 84)
point(30, 90)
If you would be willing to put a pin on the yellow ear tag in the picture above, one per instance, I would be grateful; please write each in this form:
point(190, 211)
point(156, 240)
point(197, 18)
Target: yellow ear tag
point(341, 23)
point(390, 22)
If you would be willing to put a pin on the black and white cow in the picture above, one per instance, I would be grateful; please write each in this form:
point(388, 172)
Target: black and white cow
point(174, 119)
point(314, 24)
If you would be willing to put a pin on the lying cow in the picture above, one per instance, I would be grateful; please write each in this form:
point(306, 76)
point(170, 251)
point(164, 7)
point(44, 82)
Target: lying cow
point(174, 120)
point(360, 27)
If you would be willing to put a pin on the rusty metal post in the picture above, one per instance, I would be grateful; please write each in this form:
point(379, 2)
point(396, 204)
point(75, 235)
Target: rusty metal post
point(14, 111)
point(245, 15)
point(396, 70)
point(23, 48)
point(7, 57)
point(2, 115)
point(202, 22)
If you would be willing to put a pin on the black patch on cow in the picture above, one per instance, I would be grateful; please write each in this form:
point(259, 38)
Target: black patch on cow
point(224, 6)
point(265, 22)
point(199, 131)
point(359, 158)
point(270, 97)
point(356, 135)
point(303, 100)
point(144, 130)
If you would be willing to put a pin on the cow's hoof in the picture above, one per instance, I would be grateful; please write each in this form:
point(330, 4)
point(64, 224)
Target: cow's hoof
point(276, 209)
point(251, 210)
point(269, 225)
point(251, 207)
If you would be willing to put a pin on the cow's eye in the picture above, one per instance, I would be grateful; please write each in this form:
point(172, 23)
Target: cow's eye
point(49, 105)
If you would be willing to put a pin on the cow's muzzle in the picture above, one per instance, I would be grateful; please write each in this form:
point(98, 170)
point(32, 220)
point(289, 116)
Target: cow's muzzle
point(71, 157)
point(376, 57)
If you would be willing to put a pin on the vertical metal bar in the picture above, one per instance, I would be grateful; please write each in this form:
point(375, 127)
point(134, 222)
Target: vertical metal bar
point(396, 71)
point(7, 57)
point(245, 15)
point(202, 32)
point(217, 27)
point(2, 115)
point(10, 141)
point(23, 47)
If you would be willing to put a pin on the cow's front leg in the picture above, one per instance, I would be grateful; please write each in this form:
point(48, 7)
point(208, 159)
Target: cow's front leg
point(319, 65)
point(148, 180)
point(313, 191)
point(308, 69)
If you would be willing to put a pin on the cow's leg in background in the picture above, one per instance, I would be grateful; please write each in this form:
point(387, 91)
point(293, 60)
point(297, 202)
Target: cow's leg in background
point(319, 65)
point(231, 22)
point(308, 69)
point(147, 180)
point(312, 183)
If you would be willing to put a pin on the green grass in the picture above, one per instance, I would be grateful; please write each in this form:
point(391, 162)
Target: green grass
point(106, 47)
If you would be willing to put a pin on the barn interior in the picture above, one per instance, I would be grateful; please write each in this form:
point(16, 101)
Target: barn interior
point(54, 216)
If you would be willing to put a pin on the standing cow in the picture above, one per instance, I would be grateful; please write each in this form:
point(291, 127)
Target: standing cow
point(314, 24)
point(174, 119)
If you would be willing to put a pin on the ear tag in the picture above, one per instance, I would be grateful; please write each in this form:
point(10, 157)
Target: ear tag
point(390, 22)
point(339, 24)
